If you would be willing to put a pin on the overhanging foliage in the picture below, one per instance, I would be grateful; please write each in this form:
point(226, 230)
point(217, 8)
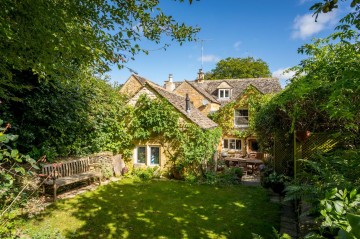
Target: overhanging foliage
point(323, 96)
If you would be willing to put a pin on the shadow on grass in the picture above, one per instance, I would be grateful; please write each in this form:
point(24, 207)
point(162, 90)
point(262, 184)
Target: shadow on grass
point(167, 209)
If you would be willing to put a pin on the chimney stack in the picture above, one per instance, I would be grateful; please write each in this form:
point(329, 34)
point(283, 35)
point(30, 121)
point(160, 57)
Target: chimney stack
point(201, 76)
point(187, 100)
point(169, 84)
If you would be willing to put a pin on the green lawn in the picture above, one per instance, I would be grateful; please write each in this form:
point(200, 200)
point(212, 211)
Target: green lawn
point(160, 209)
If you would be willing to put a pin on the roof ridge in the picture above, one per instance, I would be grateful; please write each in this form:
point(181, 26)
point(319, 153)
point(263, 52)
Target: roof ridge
point(178, 102)
point(202, 91)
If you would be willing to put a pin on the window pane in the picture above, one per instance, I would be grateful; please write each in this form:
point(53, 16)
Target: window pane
point(232, 143)
point(226, 93)
point(141, 155)
point(254, 145)
point(226, 144)
point(221, 93)
point(237, 120)
point(241, 117)
point(238, 144)
point(244, 112)
point(155, 155)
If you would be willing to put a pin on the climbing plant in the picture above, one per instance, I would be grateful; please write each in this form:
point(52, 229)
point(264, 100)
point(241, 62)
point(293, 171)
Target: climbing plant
point(250, 100)
point(188, 145)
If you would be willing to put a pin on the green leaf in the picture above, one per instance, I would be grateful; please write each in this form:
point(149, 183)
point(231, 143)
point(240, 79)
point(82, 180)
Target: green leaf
point(342, 234)
point(339, 206)
point(15, 153)
point(328, 206)
point(20, 170)
point(3, 137)
point(354, 221)
point(353, 193)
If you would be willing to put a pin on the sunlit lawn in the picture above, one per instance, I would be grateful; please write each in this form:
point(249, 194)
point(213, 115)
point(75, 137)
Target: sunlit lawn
point(161, 209)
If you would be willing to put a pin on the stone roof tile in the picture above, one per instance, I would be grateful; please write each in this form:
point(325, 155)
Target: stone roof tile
point(264, 85)
point(180, 104)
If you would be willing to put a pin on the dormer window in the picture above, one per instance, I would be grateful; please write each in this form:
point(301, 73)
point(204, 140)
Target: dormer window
point(224, 94)
point(224, 91)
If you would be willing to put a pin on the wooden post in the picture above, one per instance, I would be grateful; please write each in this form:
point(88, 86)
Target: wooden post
point(55, 188)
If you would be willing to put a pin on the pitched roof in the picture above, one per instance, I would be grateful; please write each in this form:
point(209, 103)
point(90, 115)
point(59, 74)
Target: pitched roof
point(224, 85)
point(140, 79)
point(203, 92)
point(264, 85)
point(180, 104)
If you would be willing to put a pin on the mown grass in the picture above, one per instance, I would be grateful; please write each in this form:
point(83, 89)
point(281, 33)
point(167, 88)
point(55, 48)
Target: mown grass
point(159, 209)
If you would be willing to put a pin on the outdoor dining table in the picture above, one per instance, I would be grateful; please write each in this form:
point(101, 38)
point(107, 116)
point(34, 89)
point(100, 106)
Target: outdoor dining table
point(253, 162)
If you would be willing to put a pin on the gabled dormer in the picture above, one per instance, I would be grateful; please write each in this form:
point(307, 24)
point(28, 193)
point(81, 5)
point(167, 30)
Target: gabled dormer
point(224, 91)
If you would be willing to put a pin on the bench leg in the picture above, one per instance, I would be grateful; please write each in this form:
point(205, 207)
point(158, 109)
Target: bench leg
point(55, 188)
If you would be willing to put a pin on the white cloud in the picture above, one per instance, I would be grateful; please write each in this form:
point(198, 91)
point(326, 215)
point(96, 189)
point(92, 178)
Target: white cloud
point(237, 45)
point(209, 58)
point(305, 26)
point(283, 74)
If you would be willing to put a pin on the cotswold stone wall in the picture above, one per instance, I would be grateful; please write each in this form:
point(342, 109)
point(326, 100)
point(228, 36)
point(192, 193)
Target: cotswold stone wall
point(195, 97)
point(145, 91)
point(130, 87)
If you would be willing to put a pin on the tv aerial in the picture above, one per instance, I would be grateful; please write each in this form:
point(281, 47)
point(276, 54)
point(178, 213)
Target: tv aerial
point(202, 51)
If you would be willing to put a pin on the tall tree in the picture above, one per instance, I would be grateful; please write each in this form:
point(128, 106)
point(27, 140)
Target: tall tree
point(50, 37)
point(84, 115)
point(233, 68)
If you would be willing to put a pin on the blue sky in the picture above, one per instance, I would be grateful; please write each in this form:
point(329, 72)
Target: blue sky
point(265, 29)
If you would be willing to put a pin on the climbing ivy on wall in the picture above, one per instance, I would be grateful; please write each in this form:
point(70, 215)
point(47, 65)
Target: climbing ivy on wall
point(250, 100)
point(188, 145)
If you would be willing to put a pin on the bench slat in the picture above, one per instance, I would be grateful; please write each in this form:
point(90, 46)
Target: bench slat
point(69, 172)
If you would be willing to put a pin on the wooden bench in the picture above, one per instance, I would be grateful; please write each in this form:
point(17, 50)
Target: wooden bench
point(68, 172)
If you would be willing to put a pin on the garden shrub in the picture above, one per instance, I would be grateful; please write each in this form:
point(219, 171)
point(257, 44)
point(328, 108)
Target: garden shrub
point(228, 176)
point(15, 186)
point(330, 184)
point(59, 118)
point(145, 173)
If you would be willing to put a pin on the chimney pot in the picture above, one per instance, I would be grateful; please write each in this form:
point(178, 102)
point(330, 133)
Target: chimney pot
point(201, 76)
point(169, 84)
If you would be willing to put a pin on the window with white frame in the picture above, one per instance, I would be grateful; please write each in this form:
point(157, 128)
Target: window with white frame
point(241, 118)
point(229, 144)
point(224, 94)
point(154, 155)
point(149, 155)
